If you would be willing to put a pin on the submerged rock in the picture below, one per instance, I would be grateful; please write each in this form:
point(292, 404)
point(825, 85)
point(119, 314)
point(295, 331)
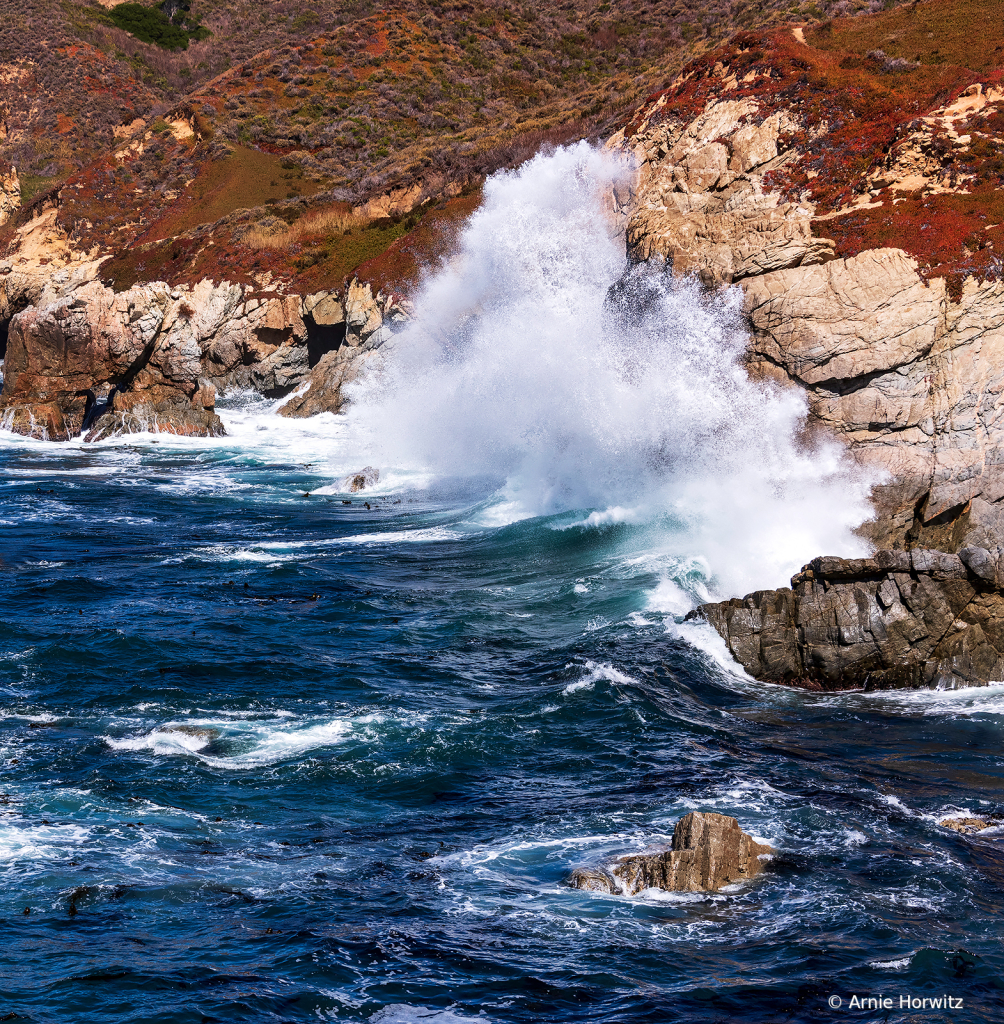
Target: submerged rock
point(708, 851)
point(900, 619)
point(967, 826)
point(199, 732)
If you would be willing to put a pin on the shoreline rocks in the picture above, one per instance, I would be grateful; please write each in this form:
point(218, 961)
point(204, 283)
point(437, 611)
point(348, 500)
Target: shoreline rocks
point(165, 352)
point(708, 851)
point(900, 619)
point(59, 356)
point(903, 368)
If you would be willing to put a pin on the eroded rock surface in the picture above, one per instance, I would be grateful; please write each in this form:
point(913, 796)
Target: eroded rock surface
point(912, 381)
point(10, 192)
point(912, 378)
point(367, 321)
point(708, 851)
point(900, 619)
point(698, 200)
point(135, 342)
point(168, 351)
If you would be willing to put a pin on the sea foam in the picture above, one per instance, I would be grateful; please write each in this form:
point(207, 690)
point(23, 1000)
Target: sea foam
point(541, 362)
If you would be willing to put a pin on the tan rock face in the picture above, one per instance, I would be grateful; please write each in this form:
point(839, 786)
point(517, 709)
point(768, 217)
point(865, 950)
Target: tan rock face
point(94, 339)
point(168, 351)
point(10, 194)
point(709, 851)
point(368, 321)
point(910, 379)
point(698, 200)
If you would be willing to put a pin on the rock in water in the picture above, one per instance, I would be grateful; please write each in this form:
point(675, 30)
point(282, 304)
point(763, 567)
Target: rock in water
point(967, 826)
point(708, 851)
point(355, 482)
point(916, 618)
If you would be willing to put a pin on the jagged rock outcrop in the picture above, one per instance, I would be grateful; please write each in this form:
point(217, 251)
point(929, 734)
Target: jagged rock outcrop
point(10, 192)
point(249, 340)
point(912, 378)
point(137, 342)
point(922, 618)
point(167, 351)
point(366, 322)
point(698, 199)
point(708, 851)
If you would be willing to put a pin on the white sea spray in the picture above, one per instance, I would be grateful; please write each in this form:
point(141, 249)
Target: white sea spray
point(535, 362)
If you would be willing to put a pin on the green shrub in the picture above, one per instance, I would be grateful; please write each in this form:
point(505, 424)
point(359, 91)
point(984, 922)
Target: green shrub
point(151, 25)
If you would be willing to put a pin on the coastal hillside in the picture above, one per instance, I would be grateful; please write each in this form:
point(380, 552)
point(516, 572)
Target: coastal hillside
point(291, 136)
point(266, 213)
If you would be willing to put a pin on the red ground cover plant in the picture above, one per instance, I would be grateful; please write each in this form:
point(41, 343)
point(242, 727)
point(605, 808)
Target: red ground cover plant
point(860, 105)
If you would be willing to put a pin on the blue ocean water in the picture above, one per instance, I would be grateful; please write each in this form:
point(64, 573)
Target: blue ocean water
point(275, 755)
point(274, 752)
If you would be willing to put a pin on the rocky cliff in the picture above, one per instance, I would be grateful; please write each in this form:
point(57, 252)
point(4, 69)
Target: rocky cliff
point(854, 196)
point(903, 364)
point(163, 352)
point(899, 619)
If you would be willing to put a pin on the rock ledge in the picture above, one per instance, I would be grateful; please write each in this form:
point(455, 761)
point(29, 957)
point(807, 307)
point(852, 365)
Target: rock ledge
point(914, 619)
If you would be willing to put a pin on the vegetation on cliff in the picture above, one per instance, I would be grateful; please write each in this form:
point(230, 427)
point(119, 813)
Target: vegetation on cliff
point(152, 25)
point(294, 109)
point(902, 127)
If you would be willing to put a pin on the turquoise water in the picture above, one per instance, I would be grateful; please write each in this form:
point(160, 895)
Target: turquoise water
point(271, 756)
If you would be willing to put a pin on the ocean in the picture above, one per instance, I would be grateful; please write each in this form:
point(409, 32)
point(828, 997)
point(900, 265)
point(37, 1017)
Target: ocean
point(271, 751)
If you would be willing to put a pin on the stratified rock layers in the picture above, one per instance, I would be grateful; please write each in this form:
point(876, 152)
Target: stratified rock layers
point(901, 619)
point(708, 851)
point(912, 381)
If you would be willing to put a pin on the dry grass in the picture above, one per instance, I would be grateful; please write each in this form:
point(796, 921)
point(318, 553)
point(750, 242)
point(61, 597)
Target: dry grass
point(275, 233)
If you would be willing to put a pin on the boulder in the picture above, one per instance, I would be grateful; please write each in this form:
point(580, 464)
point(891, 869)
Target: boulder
point(355, 482)
point(708, 851)
point(899, 619)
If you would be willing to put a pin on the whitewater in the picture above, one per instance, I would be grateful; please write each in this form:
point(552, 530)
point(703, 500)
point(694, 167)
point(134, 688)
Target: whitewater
point(275, 752)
